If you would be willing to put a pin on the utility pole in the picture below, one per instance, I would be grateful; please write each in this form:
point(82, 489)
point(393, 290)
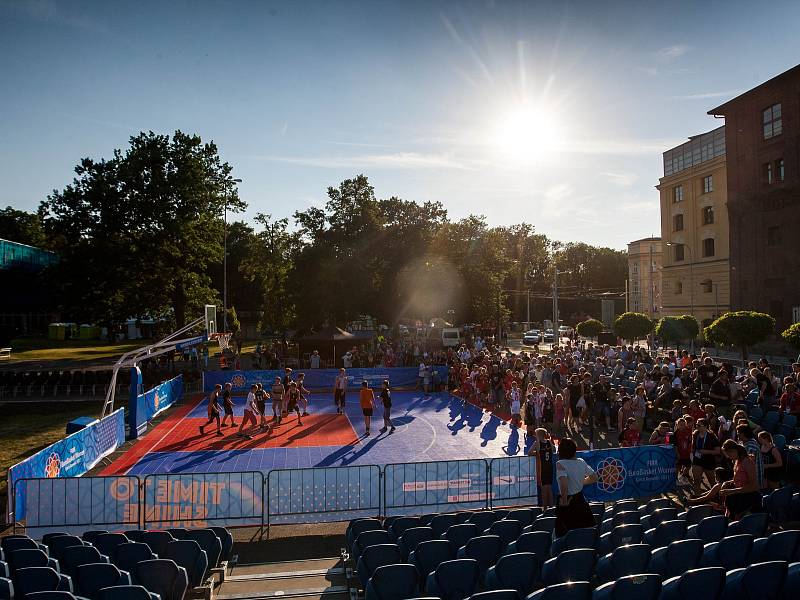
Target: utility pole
point(499, 317)
point(225, 261)
point(528, 318)
point(555, 303)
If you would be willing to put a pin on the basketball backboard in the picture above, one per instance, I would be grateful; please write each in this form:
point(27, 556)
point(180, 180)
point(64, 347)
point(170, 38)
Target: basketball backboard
point(211, 319)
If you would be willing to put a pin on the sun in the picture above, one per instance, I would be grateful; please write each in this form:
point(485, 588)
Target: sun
point(527, 134)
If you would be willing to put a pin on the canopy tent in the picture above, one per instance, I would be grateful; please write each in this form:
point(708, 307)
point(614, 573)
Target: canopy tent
point(326, 340)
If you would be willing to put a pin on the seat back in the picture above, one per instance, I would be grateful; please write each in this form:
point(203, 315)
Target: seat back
point(483, 548)
point(157, 540)
point(506, 529)
point(781, 545)
point(19, 559)
point(537, 542)
point(393, 582)
point(209, 542)
point(666, 533)
point(585, 537)
point(227, 541)
point(730, 552)
point(455, 579)
point(755, 524)
point(367, 539)
point(705, 582)
point(440, 523)
point(18, 542)
point(571, 565)
point(482, 519)
point(130, 554)
point(124, 592)
point(428, 555)
point(162, 576)
point(179, 533)
point(89, 579)
point(574, 590)
point(359, 526)
point(680, 556)
point(107, 543)
point(400, 524)
point(695, 514)
point(6, 589)
point(543, 523)
point(75, 556)
point(638, 586)
point(59, 543)
point(50, 595)
point(657, 504)
point(761, 580)
point(91, 535)
point(712, 529)
point(508, 594)
point(189, 555)
point(36, 579)
point(628, 517)
point(460, 534)
point(518, 571)
point(524, 516)
point(412, 537)
point(629, 560)
point(377, 556)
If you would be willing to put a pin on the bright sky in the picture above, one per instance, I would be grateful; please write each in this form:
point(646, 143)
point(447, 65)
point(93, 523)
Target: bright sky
point(555, 113)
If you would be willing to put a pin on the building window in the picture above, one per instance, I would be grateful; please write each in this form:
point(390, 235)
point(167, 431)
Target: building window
point(773, 123)
point(678, 252)
point(767, 168)
point(779, 173)
point(708, 184)
point(708, 215)
point(677, 223)
point(677, 193)
point(708, 247)
point(774, 237)
point(707, 286)
point(678, 287)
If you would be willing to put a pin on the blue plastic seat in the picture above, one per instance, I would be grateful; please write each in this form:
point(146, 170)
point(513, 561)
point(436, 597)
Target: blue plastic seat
point(630, 587)
point(624, 505)
point(666, 533)
point(790, 420)
point(18, 542)
point(624, 560)
point(57, 544)
point(5, 570)
point(428, 555)
point(730, 552)
point(125, 592)
point(135, 535)
point(157, 540)
point(6, 589)
point(585, 537)
point(367, 539)
point(162, 576)
point(543, 523)
point(482, 520)
point(537, 542)
point(695, 514)
point(628, 517)
point(226, 538)
point(710, 529)
point(91, 535)
point(778, 504)
point(574, 590)
point(496, 595)
point(485, 549)
point(400, 524)
point(506, 529)
point(75, 556)
point(374, 557)
point(706, 583)
point(781, 545)
point(20, 559)
point(519, 571)
point(189, 555)
point(412, 537)
point(440, 523)
point(132, 553)
point(91, 578)
point(571, 565)
point(680, 556)
point(454, 579)
point(791, 586)
point(107, 543)
point(53, 534)
point(524, 516)
point(40, 579)
point(357, 527)
point(661, 515)
point(755, 524)
point(620, 536)
point(757, 581)
point(458, 535)
point(656, 504)
point(179, 533)
point(50, 595)
point(393, 582)
point(770, 421)
point(209, 542)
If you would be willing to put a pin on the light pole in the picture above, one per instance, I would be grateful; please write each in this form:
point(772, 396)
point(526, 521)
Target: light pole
point(691, 275)
point(225, 261)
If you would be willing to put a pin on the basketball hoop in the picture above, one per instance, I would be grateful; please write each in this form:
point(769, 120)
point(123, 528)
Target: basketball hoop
point(223, 339)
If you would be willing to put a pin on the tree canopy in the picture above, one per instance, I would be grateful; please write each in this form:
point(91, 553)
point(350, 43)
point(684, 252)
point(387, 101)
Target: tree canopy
point(677, 328)
point(590, 328)
point(792, 335)
point(743, 328)
point(633, 326)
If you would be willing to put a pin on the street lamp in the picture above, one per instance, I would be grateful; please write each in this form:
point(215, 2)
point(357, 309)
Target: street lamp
point(225, 261)
point(691, 274)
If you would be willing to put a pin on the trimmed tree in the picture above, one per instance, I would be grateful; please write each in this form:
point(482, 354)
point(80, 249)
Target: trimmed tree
point(690, 326)
point(743, 328)
point(633, 326)
point(590, 328)
point(677, 329)
point(792, 335)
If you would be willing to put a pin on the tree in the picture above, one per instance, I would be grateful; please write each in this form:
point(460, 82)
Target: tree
point(792, 335)
point(137, 232)
point(22, 227)
point(633, 326)
point(743, 328)
point(233, 322)
point(590, 328)
point(677, 329)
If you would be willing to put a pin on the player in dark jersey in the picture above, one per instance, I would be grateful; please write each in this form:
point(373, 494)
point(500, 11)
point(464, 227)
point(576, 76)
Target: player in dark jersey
point(542, 449)
point(227, 404)
point(293, 401)
point(213, 410)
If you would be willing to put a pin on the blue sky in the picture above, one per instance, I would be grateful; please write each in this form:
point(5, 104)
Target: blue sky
point(419, 96)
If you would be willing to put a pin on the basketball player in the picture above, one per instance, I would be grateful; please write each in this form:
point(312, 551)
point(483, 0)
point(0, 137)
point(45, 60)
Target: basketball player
point(303, 391)
point(339, 389)
point(227, 404)
point(293, 400)
point(213, 410)
point(250, 413)
point(277, 400)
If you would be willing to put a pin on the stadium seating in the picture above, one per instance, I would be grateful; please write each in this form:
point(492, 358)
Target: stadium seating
point(6, 589)
point(519, 571)
point(134, 535)
point(571, 565)
point(189, 555)
point(572, 540)
point(40, 579)
point(179, 533)
point(641, 587)
point(625, 560)
point(57, 544)
point(454, 579)
point(20, 559)
point(658, 516)
point(627, 517)
point(393, 582)
point(485, 549)
point(710, 529)
point(91, 578)
point(695, 514)
point(414, 536)
point(760, 580)
point(19, 542)
point(107, 543)
point(440, 523)
point(460, 534)
point(75, 556)
point(525, 516)
point(781, 545)
point(506, 529)
point(376, 556)
point(574, 590)
point(163, 577)
point(209, 542)
point(5, 570)
point(226, 539)
point(126, 592)
point(619, 536)
point(52, 595)
point(399, 525)
point(366, 539)
point(698, 583)
point(676, 558)
point(157, 540)
point(665, 533)
point(755, 524)
point(729, 553)
point(129, 554)
point(427, 555)
point(537, 542)
point(543, 523)
point(496, 595)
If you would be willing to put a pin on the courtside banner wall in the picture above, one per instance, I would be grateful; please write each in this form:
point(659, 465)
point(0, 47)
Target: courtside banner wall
point(152, 402)
point(636, 472)
point(71, 457)
point(319, 378)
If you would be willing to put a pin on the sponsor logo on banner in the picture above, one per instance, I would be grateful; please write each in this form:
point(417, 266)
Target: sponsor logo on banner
point(239, 382)
point(611, 474)
point(155, 401)
point(52, 467)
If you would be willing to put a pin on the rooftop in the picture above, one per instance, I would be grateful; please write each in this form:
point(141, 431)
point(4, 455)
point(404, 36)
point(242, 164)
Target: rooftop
point(699, 149)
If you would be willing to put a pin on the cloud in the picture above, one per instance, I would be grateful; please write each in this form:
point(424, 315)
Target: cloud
point(672, 52)
point(621, 179)
point(709, 95)
point(48, 11)
point(398, 160)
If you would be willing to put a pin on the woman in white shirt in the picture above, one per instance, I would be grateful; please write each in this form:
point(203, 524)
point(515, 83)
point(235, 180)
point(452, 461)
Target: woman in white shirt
point(573, 511)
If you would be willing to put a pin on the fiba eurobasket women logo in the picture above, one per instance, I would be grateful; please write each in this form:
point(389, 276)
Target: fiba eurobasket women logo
point(238, 381)
point(611, 474)
point(52, 466)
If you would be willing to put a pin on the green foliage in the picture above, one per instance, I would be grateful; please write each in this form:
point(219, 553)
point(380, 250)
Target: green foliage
point(590, 328)
point(792, 335)
point(633, 326)
point(742, 329)
point(233, 321)
point(23, 227)
point(677, 329)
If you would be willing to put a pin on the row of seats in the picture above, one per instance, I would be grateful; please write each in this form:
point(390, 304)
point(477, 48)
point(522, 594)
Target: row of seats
point(166, 563)
point(777, 423)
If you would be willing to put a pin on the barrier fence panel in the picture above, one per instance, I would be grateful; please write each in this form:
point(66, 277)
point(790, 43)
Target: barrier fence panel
point(203, 499)
point(77, 503)
point(513, 481)
point(413, 488)
point(323, 494)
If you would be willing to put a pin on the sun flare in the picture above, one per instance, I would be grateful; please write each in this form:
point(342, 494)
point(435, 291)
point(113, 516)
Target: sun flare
point(527, 134)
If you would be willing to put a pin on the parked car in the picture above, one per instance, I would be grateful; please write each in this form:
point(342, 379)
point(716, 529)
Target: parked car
point(548, 338)
point(532, 337)
point(451, 337)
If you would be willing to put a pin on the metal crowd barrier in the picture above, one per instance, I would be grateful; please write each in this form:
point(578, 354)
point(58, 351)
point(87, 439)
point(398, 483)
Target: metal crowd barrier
point(513, 481)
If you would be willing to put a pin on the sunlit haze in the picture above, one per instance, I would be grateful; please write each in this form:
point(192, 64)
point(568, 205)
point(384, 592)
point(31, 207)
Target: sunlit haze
point(554, 113)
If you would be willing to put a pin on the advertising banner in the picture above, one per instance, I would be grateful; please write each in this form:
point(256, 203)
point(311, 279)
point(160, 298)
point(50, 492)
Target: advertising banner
point(636, 472)
point(152, 402)
point(71, 457)
point(320, 378)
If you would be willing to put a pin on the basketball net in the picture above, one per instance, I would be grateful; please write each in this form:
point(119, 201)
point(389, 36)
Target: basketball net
point(223, 339)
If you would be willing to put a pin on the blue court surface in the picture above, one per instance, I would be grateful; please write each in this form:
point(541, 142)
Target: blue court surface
point(429, 428)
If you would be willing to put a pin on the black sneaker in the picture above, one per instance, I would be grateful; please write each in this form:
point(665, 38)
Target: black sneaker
point(382, 430)
point(219, 433)
point(392, 430)
point(201, 430)
point(367, 433)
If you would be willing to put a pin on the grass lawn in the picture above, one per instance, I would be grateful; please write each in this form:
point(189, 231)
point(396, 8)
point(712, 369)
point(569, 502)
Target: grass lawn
point(38, 349)
point(27, 428)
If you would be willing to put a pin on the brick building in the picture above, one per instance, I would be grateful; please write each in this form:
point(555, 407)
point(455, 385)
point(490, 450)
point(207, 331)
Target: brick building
point(762, 138)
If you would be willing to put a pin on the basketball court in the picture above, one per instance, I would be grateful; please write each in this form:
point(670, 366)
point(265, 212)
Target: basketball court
point(429, 428)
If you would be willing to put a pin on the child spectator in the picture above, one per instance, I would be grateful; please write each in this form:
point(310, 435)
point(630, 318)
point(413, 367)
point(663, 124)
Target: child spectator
point(630, 436)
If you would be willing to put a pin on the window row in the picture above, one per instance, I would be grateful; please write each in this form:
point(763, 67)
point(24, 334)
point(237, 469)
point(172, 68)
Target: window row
point(707, 247)
point(708, 187)
point(706, 286)
point(706, 217)
point(773, 172)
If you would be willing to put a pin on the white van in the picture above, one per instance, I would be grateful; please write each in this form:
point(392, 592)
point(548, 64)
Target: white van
point(451, 338)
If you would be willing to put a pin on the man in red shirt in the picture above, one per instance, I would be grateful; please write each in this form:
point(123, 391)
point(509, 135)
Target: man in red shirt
point(630, 436)
point(790, 399)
